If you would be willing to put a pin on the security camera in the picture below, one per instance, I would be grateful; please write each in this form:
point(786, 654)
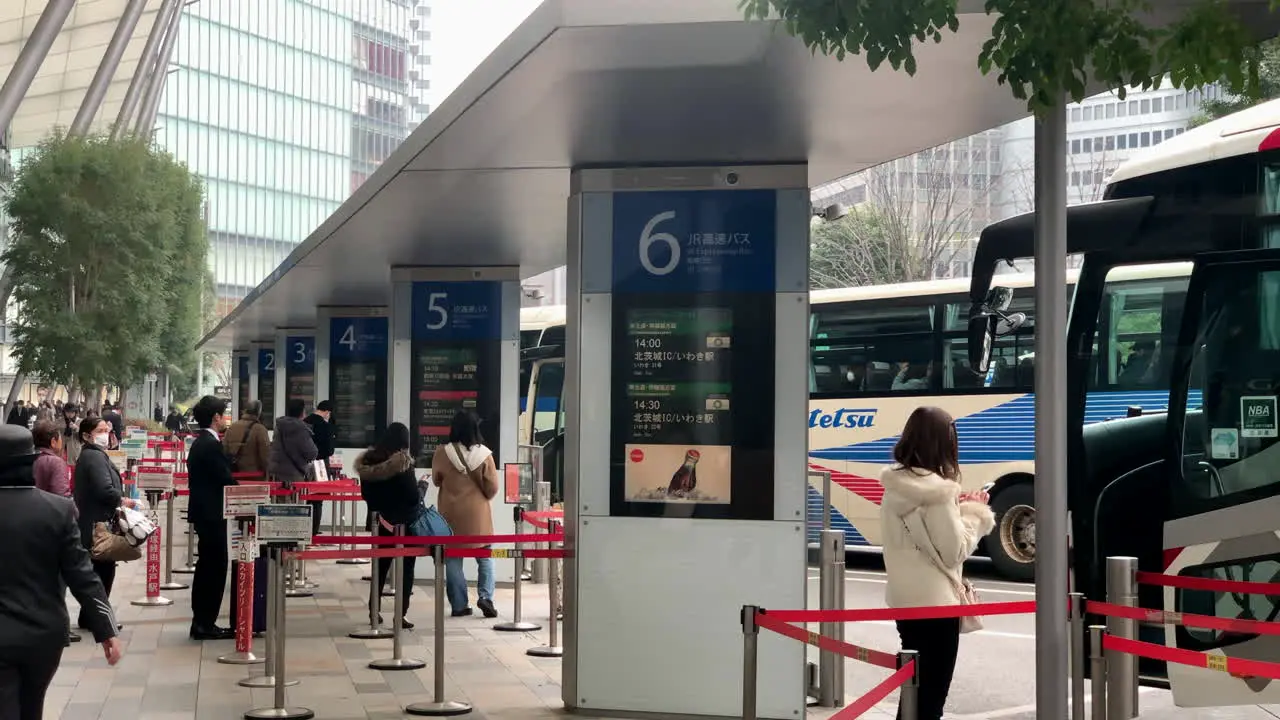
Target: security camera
point(831, 213)
point(731, 178)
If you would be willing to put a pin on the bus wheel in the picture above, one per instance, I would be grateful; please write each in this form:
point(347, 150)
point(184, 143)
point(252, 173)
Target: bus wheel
point(1012, 545)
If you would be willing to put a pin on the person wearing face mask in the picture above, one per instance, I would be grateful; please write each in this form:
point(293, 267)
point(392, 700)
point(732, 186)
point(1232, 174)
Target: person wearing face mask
point(322, 435)
point(98, 492)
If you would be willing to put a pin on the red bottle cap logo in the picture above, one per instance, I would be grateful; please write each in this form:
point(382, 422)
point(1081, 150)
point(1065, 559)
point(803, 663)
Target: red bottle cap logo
point(694, 454)
point(637, 455)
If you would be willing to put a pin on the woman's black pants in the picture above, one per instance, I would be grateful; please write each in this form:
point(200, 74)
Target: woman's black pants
point(936, 643)
point(106, 572)
point(384, 567)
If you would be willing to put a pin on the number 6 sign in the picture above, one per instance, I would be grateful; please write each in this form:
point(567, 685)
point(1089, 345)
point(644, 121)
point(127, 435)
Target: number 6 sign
point(647, 239)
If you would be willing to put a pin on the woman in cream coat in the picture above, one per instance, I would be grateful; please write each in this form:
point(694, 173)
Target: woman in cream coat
point(930, 528)
point(464, 470)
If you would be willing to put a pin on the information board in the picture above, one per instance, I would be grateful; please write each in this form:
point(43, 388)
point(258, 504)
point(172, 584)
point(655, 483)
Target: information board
point(242, 382)
point(456, 359)
point(300, 370)
point(518, 480)
point(154, 477)
point(240, 501)
point(267, 385)
point(692, 377)
point(358, 379)
point(134, 449)
point(284, 523)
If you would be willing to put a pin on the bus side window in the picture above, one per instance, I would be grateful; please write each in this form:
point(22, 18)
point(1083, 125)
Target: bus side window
point(1137, 325)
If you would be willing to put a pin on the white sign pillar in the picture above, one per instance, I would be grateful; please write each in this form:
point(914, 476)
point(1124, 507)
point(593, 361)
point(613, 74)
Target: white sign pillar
point(686, 393)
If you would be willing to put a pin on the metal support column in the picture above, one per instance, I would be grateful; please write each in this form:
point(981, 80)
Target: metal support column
point(541, 502)
point(1122, 668)
point(1052, 667)
point(138, 84)
point(107, 68)
point(159, 73)
point(830, 580)
point(31, 57)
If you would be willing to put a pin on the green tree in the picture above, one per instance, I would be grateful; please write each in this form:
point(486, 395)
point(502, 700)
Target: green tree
point(1042, 49)
point(1267, 56)
point(108, 241)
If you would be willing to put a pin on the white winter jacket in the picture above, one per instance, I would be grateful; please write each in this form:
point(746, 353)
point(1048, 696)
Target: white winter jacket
point(953, 528)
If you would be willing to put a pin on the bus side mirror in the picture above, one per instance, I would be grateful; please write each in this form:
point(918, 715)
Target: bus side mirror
point(1007, 324)
point(980, 339)
point(998, 300)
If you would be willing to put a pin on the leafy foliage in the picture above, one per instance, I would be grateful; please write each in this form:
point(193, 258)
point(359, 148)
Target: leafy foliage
point(1267, 57)
point(113, 229)
point(1042, 49)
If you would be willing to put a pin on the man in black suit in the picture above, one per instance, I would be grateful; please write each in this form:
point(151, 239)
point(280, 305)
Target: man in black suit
point(208, 471)
point(42, 555)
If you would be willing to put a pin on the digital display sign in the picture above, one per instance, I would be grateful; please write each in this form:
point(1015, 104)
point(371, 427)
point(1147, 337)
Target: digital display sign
point(358, 379)
point(267, 385)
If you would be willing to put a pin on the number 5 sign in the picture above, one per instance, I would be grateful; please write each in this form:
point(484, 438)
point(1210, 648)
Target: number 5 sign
point(457, 310)
point(694, 241)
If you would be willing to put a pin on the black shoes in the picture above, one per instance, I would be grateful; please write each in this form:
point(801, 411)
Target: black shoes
point(486, 607)
point(211, 632)
point(464, 612)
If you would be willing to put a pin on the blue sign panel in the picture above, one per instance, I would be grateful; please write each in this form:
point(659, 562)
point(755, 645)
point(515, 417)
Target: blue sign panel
point(242, 367)
point(266, 362)
point(361, 338)
point(302, 354)
point(457, 310)
point(694, 241)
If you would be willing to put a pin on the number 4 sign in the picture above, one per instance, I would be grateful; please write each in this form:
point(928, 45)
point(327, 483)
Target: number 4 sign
point(1258, 416)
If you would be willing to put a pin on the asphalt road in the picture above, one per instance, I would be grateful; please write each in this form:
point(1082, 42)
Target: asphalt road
point(995, 674)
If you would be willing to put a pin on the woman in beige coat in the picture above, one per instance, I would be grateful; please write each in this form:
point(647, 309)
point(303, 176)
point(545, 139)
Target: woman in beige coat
point(465, 472)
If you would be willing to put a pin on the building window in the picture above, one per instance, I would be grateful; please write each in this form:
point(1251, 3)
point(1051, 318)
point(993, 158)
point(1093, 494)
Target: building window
point(1087, 145)
point(1133, 140)
point(1120, 109)
point(1133, 107)
point(1075, 147)
point(1088, 113)
point(1122, 142)
point(1111, 142)
point(1075, 114)
point(1075, 178)
point(1157, 104)
point(1144, 139)
point(1146, 106)
point(1111, 110)
point(1168, 133)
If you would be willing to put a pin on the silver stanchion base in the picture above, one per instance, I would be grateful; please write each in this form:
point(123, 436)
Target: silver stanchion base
point(522, 626)
point(264, 681)
point(545, 651)
point(438, 709)
point(284, 713)
point(174, 586)
point(378, 633)
point(185, 570)
point(526, 576)
point(309, 585)
point(160, 601)
point(389, 593)
point(397, 664)
point(297, 593)
point(241, 658)
point(354, 561)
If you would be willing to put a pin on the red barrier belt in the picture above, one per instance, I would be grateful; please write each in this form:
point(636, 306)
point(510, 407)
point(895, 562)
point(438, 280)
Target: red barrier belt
point(915, 613)
point(329, 486)
point(873, 697)
point(1163, 617)
point(1239, 667)
point(503, 553)
point(326, 497)
point(434, 539)
point(1183, 582)
point(366, 553)
point(849, 650)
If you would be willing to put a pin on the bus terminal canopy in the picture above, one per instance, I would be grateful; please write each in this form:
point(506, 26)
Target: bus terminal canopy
point(484, 180)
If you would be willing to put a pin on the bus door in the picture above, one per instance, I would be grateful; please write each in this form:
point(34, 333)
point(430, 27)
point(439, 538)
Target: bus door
point(543, 420)
point(1223, 513)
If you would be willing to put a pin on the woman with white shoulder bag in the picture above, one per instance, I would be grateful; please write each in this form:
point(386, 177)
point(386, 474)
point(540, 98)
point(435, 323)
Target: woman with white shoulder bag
point(930, 528)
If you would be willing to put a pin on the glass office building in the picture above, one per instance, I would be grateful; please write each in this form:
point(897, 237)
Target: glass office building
point(285, 108)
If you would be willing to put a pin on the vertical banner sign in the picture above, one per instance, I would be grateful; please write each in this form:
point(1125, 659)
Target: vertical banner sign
point(244, 601)
point(267, 385)
point(693, 358)
point(300, 369)
point(153, 564)
point(242, 382)
point(358, 379)
point(457, 327)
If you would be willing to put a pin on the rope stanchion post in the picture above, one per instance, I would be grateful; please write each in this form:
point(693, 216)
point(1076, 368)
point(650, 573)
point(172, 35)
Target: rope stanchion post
point(278, 710)
point(275, 611)
point(243, 599)
point(189, 559)
point(1076, 646)
point(541, 502)
point(295, 578)
point(830, 585)
point(153, 598)
point(909, 696)
point(552, 648)
point(1098, 672)
point(397, 661)
point(351, 530)
point(375, 631)
point(1122, 668)
point(750, 642)
point(518, 623)
point(439, 707)
point(169, 583)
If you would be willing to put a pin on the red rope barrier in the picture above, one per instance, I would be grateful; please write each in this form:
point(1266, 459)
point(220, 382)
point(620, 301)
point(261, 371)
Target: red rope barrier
point(326, 497)
point(503, 553)
point(1164, 617)
point(434, 539)
point(1238, 667)
point(915, 613)
point(1183, 582)
point(873, 697)
point(849, 650)
point(367, 553)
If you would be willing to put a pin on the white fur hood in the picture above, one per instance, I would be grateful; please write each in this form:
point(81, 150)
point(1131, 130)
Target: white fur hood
point(906, 490)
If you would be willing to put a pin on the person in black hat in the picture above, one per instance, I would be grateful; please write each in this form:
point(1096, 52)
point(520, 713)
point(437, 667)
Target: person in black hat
point(42, 555)
point(322, 433)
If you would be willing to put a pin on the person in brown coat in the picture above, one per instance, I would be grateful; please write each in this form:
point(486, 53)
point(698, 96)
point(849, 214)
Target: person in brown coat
point(246, 441)
point(465, 472)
